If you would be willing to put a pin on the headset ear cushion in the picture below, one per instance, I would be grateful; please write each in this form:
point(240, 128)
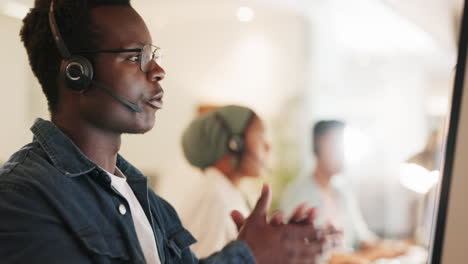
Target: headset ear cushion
point(236, 144)
point(78, 72)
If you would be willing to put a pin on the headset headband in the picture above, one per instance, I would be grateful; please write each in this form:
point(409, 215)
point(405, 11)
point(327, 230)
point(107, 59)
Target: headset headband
point(56, 33)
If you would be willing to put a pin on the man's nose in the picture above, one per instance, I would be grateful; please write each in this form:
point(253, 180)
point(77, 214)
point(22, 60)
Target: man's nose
point(156, 73)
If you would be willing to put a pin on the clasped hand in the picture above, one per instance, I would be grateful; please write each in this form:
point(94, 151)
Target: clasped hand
point(275, 241)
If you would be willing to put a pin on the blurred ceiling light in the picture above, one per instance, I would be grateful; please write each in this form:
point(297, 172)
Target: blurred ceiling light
point(418, 179)
point(14, 9)
point(245, 14)
point(356, 145)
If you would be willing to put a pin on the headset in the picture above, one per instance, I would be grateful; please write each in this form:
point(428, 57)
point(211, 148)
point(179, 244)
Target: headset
point(78, 71)
point(236, 141)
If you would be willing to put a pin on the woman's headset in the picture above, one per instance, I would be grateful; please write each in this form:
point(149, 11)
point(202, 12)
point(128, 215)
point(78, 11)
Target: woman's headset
point(236, 141)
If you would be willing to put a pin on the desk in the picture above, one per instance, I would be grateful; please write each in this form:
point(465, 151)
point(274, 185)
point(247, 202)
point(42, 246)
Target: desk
point(412, 254)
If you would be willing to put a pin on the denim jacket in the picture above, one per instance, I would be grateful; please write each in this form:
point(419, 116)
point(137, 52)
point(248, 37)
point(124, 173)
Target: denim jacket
point(57, 207)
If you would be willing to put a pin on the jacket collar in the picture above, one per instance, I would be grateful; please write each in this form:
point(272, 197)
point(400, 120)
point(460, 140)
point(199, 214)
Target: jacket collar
point(66, 156)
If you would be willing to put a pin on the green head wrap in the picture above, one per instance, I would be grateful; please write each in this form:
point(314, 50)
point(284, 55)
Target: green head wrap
point(205, 140)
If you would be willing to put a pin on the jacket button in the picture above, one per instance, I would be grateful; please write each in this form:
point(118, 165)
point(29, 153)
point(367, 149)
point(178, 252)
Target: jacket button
point(122, 209)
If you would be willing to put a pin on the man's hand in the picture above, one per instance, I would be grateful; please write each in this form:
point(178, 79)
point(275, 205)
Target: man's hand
point(276, 242)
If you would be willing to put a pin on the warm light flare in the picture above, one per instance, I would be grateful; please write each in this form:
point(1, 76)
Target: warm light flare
point(417, 178)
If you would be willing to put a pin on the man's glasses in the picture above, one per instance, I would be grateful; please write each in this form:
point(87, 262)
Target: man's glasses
point(147, 53)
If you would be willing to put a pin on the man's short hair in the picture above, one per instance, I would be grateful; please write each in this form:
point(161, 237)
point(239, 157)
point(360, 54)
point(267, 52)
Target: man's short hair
point(321, 128)
point(74, 22)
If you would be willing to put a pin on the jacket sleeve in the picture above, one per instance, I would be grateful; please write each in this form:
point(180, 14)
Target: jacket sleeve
point(31, 232)
point(236, 252)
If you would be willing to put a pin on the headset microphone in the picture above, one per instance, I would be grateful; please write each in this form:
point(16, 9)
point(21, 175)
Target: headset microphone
point(78, 71)
point(133, 107)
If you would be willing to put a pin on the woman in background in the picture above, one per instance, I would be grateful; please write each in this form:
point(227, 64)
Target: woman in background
point(227, 144)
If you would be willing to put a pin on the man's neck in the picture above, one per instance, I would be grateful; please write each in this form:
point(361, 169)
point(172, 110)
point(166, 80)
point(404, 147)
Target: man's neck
point(321, 177)
point(97, 145)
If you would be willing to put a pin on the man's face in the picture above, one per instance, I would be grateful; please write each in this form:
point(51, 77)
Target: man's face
point(121, 28)
point(331, 151)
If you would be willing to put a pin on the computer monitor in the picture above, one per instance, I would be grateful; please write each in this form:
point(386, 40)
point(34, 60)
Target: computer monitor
point(450, 233)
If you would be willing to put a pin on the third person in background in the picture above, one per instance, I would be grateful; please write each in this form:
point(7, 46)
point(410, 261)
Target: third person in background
point(324, 188)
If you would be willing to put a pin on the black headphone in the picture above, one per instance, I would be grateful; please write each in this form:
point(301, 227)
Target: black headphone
point(77, 70)
point(236, 142)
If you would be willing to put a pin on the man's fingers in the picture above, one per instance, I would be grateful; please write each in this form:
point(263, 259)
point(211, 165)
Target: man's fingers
point(298, 214)
point(310, 216)
point(277, 219)
point(331, 230)
point(263, 203)
point(303, 249)
point(238, 219)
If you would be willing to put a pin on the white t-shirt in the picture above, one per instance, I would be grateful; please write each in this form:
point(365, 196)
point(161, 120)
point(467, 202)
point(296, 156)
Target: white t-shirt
point(207, 213)
point(142, 225)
